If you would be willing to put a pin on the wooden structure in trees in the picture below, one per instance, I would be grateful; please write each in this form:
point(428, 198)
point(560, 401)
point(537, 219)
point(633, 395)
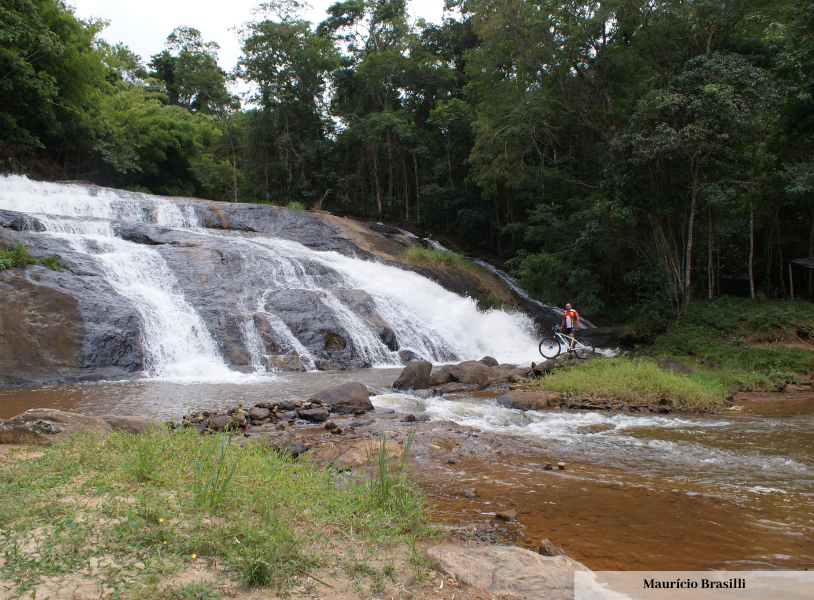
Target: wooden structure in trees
point(808, 263)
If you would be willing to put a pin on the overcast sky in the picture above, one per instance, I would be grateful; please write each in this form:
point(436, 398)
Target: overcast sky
point(144, 25)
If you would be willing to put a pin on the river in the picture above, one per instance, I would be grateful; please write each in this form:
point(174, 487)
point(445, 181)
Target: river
point(730, 491)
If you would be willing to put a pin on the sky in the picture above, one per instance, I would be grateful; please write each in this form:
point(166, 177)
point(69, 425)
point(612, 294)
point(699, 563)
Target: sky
point(144, 25)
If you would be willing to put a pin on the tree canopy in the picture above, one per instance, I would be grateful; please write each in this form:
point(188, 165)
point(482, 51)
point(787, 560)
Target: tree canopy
point(628, 156)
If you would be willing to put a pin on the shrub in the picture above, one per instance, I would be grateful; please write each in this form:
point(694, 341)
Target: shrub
point(15, 257)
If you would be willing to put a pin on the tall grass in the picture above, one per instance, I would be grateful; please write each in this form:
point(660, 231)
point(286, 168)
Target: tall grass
point(145, 456)
point(214, 472)
point(638, 381)
point(390, 489)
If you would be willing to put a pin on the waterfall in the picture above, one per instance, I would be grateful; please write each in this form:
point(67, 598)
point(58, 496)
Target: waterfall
point(377, 309)
point(177, 345)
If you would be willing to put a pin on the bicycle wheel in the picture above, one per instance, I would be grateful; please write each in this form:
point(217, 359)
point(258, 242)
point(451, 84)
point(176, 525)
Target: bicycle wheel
point(550, 347)
point(584, 348)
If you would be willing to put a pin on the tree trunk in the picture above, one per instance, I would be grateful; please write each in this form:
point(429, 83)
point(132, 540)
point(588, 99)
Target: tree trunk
point(417, 197)
point(710, 269)
point(751, 246)
point(234, 157)
point(780, 252)
point(376, 181)
point(690, 225)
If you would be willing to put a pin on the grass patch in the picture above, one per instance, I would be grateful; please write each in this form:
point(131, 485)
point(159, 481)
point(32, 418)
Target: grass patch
point(150, 505)
point(637, 381)
point(295, 205)
point(771, 338)
point(16, 257)
point(431, 257)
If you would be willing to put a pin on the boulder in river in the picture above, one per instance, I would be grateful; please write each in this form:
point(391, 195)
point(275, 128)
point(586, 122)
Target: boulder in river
point(133, 424)
point(530, 399)
point(546, 548)
point(348, 398)
point(317, 415)
point(415, 376)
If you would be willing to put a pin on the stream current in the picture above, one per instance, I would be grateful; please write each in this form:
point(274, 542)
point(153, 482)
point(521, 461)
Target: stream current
point(668, 492)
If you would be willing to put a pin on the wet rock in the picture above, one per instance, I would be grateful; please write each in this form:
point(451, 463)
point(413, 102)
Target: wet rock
point(285, 405)
point(471, 493)
point(489, 361)
point(259, 413)
point(415, 376)
point(507, 515)
point(530, 399)
point(455, 387)
point(561, 465)
point(317, 415)
point(45, 426)
point(333, 428)
point(288, 415)
point(133, 424)
point(597, 428)
point(349, 398)
point(546, 366)
point(413, 418)
point(546, 548)
point(510, 571)
point(470, 372)
point(408, 356)
point(220, 423)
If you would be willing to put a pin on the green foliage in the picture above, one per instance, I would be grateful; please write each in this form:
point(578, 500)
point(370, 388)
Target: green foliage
point(581, 146)
point(214, 471)
point(421, 256)
point(279, 514)
point(145, 457)
point(50, 262)
point(636, 381)
point(750, 335)
point(16, 257)
point(391, 491)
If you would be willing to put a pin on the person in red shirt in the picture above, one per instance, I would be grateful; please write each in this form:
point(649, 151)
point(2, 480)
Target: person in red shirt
point(570, 323)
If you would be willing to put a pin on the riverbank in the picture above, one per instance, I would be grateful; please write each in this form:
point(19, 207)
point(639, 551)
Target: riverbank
point(180, 515)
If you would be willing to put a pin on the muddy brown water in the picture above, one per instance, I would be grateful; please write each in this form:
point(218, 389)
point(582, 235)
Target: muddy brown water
point(650, 492)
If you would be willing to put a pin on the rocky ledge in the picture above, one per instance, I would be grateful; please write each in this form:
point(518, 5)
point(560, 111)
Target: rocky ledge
point(419, 378)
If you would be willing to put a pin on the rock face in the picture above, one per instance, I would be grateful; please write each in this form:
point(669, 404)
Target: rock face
point(415, 376)
point(467, 376)
point(512, 571)
point(80, 322)
point(348, 398)
point(45, 426)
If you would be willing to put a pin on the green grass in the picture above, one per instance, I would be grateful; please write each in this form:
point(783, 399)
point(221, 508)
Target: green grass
point(746, 335)
point(139, 501)
point(15, 257)
point(18, 256)
point(430, 257)
point(295, 205)
point(637, 381)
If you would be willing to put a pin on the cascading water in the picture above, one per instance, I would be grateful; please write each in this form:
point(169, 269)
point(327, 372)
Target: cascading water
point(378, 310)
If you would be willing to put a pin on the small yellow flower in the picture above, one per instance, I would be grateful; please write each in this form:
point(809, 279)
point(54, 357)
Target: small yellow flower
point(161, 520)
point(165, 543)
point(193, 557)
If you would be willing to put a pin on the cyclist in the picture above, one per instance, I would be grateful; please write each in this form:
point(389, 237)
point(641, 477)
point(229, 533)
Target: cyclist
point(570, 324)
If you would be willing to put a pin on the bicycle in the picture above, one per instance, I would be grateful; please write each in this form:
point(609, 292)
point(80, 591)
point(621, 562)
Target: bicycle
point(553, 346)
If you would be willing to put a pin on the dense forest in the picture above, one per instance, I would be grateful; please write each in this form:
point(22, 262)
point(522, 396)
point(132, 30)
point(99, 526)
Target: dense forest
point(629, 156)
